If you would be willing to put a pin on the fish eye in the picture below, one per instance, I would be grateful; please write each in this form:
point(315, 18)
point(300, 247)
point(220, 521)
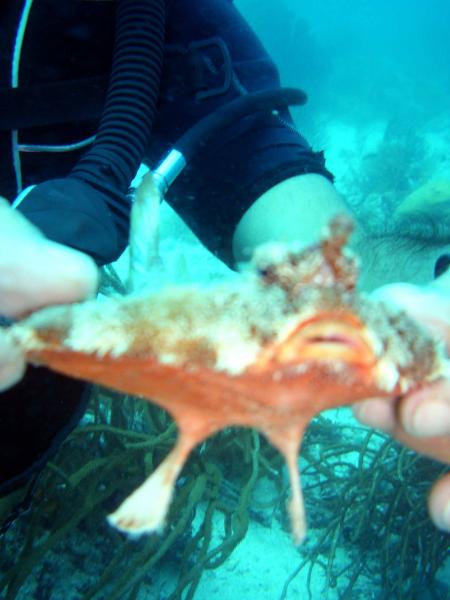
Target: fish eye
point(441, 265)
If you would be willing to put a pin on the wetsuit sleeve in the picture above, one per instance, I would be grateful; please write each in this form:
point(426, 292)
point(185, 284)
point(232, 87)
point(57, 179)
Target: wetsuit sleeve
point(213, 57)
point(73, 212)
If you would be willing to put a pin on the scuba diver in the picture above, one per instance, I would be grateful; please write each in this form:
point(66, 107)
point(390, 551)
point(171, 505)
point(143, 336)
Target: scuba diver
point(89, 90)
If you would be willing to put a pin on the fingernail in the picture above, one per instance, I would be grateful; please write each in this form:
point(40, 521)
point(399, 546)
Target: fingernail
point(429, 419)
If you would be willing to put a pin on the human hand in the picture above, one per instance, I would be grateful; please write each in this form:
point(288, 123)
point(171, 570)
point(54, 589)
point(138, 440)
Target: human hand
point(420, 420)
point(35, 272)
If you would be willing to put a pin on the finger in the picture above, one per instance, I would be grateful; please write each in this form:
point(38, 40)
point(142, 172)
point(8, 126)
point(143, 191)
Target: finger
point(38, 272)
point(378, 413)
point(427, 411)
point(384, 415)
point(12, 364)
point(439, 503)
point(437, 447)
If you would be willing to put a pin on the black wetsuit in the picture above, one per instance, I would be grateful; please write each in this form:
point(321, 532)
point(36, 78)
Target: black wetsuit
point(211, 57)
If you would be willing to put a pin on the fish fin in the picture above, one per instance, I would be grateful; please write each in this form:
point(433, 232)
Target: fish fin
point(288, 441)
point(296, 504)
point(145, 510)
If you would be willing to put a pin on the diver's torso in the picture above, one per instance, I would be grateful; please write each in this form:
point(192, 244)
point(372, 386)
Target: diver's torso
point(46, 42)
point(61, 40)
point(73, 41)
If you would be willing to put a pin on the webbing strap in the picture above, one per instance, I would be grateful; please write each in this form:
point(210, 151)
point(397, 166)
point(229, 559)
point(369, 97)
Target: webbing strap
point(51, 104)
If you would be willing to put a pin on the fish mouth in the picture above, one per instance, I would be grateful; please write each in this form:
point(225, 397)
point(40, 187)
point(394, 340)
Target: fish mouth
point(329, 338)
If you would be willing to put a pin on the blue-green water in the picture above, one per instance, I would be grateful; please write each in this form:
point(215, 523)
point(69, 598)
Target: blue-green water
point(383, 59)
point(378, 83)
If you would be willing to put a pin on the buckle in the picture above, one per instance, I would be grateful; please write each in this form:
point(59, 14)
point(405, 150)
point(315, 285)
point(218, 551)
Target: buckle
point(215, 64)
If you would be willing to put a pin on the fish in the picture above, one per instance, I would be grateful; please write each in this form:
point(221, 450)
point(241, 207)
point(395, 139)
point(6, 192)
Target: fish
point(290, 337)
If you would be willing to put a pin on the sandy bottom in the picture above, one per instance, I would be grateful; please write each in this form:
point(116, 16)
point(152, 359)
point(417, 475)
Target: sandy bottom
point(258, 569)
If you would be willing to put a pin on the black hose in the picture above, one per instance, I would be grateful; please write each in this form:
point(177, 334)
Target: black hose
point(199, 135)
point(130, 107)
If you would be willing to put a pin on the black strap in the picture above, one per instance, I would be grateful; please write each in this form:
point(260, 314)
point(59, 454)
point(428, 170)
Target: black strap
point(53, 103)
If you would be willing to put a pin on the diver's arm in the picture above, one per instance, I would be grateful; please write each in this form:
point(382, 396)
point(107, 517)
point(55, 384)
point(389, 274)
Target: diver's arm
point(298, 208)
point(89, 209)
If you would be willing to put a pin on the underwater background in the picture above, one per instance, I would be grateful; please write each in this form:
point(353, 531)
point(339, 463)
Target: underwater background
point(378, 80)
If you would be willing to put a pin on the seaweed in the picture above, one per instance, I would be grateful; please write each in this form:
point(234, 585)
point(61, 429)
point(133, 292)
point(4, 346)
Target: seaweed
point(371, 530)
point(120, 442)
point(365, 502)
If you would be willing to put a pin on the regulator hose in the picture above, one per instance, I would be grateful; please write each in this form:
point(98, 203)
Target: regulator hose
point(189, 144)
point(199, 135)
point(130, 107)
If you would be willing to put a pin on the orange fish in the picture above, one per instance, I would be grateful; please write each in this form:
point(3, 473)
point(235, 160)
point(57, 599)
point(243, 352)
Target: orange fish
point(269, 351)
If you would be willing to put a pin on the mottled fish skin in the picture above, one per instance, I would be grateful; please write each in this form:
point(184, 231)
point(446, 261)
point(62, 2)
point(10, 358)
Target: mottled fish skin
point(270, 351)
